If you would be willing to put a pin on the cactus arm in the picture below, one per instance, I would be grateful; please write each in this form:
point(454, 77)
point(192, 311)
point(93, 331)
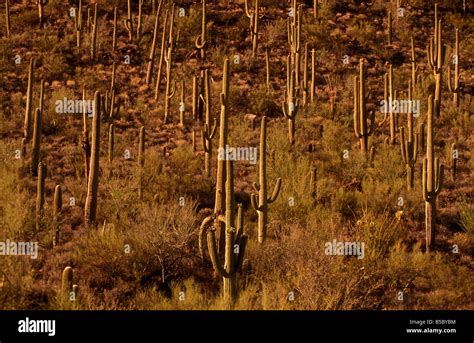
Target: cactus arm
point(240, 257)
point(254, 201)
point(276, 191)
point(173, 90)
point(211, 243)
point(200, 44)
point(415, 148)
point(203, 233)
point(214, 129)
point(204, 141)
point(439, 178)
point(256, 186)
point(247, 12)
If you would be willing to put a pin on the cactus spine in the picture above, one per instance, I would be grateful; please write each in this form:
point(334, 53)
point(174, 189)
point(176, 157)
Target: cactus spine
point(453, 85)
point(290, 107)
point(141, 161)
point(36, 142)
point(129, 21)
point(29, 102)
point(208, 133)
point(361, 127)
point(151, 58)
point(435, 55)
point(41, 4)
point(201, 41)
point(253, 26)
point(78, 24)
point(162, 53)
point(7, 18)
point(93, 184)
point(40, 194)
point(260, 201)
point(432, 180)
point(58, 204)
point(94, 34)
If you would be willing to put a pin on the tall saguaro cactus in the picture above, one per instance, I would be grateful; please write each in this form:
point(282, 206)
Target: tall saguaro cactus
point(151, 57)
point(453, 85)
point(93, 184)
point(413, 62)
point(114, 32)
point(291, 105)
point(129, 21)
point(260, 201)
point(40, 194)
point(435, 55)
point(432, 180)
point(362, 128)
point(208, 133)
point(201, 39)
point(7, 18)
point(393, 117)
point(409, 149)
point(78, 24)
point(162, 55)
point(36, 142)
point(253, 16)
point(139, 24)
point(58, 205)
point(94, 34)
point(85, 145)
point(170, 90)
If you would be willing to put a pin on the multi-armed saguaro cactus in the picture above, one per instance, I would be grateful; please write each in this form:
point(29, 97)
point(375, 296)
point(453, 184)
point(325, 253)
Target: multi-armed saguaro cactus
point(42, 171)
point(93, 184)
point(220, 203)
point(58, 205)
point(235, 242)
point(41, 4)
point(436, 53)
point(201, 38)
point(409, 149)
point(253, 16)
point(94, 33)
point(208, 133)
point(432, 180)
point(29, 102)
point(362, 128)
point(129, 21)
point(7, 18)
point(291, 104)
point(170, 90)
point(78, 24)
point(36, 142)
point(454, 84)
point(260, 201)
point(151, 57)
point(141, 161)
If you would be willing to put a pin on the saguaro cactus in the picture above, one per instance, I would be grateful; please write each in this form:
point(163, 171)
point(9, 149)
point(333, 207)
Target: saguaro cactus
point(7, 18)
point(94, 34)
point(235, 242)
point(291, 105)
point(313, 76)
point(409, 150)
point(260, 201)
point(162, 54)
point(413, 62)
point(111, 147)
point(151, 58)
point(141, 161)
point(170, 90)
point(432, 180)
point(362, 128)
point(139, 24)
point(391, 98)
point(208, 133)
point(36, 142)
point(453, 160)
point(93, 184)
point(41, 4)
point(29, 102)
point(201, 39)
point(85, 145)
point(58, 204)
point(114, 32)
point(304, 86)
point(78, 24)
point(294, 38)
point(435, 55)
point(129, 21)
point(453, 85)
point(253, 16)
point(40, 194)
point(267, 68)
point(67, 280)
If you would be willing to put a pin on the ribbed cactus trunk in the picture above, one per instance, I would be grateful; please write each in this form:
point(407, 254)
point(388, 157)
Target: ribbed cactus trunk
point(35, 154)
point(162, 55)
point(29, 102)
point(93, 184)
point(151, 57)
point(40, 194)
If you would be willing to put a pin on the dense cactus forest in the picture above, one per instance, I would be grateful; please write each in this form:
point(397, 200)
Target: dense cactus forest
point(231, 154)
